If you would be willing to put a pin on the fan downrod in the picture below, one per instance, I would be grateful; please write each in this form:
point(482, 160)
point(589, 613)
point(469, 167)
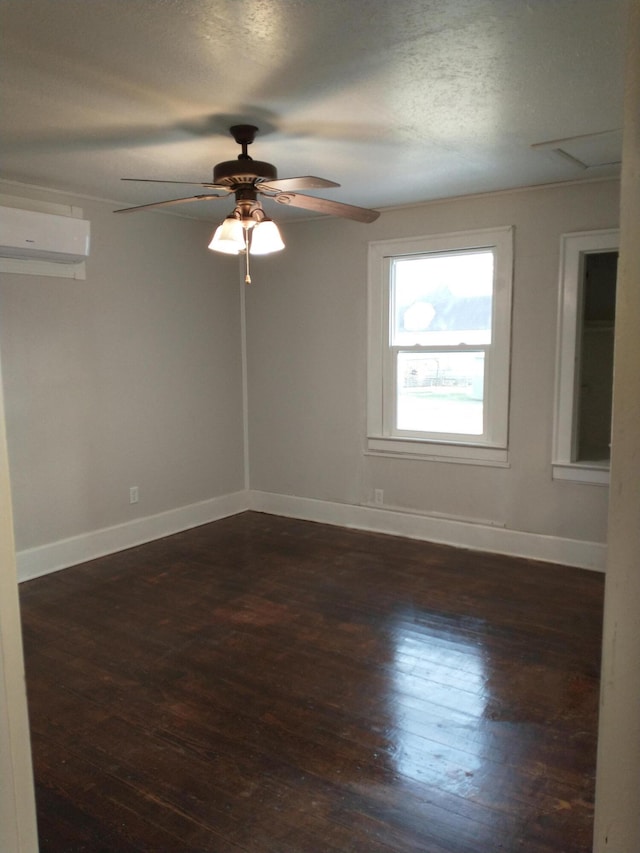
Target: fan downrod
point(244, 173)
point(244, 134)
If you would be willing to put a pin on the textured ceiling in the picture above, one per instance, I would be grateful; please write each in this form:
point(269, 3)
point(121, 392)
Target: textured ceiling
point(400, 101)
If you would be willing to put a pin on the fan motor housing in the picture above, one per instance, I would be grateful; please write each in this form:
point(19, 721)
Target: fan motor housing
point(243, 171)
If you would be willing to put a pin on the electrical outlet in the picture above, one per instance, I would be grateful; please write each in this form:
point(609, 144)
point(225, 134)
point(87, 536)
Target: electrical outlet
point(134, 495)
point(378, 497)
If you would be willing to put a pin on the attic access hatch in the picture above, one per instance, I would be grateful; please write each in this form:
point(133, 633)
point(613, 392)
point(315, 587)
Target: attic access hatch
point(589, 151)
point(43, 242)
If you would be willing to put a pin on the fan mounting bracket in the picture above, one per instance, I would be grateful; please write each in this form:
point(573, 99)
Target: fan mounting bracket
point(244, 134)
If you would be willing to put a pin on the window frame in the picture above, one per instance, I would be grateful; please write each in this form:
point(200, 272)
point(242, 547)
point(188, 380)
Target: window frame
point(382, 438)
point(573, 249)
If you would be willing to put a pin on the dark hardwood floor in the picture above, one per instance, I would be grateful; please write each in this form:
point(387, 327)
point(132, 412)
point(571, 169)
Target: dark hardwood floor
point(276, 686)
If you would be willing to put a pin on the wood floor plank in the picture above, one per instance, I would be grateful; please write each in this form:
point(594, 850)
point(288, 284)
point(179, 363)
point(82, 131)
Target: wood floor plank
point(268, 685)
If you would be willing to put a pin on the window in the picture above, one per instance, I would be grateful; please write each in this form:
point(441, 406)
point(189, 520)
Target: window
point(584, 364)
point(439, 337)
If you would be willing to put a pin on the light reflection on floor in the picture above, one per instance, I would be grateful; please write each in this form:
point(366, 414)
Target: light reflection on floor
point(437, 685)
point(443, 746)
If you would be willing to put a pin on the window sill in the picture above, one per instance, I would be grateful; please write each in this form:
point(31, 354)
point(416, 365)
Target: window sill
point(466, 454)
point(596, 473)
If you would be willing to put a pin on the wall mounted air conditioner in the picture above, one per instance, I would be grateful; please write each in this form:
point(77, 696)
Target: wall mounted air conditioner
point(31, 235)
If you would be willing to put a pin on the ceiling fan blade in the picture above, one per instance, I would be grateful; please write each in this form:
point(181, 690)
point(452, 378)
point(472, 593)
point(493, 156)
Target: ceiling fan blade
point(203, 197)
point(306, 182)
point(324, 205)
point(190, 183)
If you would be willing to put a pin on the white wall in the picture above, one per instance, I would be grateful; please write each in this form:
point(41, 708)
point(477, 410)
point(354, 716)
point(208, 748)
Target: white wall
point(134, 377)
point(306, 333)
point(617, 816)
point(130, 378)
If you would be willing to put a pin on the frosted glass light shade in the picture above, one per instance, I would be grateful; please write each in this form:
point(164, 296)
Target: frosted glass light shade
point(228, 237)
point(265, 238)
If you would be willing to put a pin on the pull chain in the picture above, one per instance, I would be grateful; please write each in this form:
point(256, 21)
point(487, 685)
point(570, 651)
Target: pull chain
point(247, 239)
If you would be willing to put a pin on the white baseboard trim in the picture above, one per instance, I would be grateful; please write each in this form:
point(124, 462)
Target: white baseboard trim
point(34, 562)
point(461, 534)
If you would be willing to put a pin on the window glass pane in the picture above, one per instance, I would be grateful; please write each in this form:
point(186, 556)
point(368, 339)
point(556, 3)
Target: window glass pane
point(442, 299)
point(440, 392)
point(594, 398)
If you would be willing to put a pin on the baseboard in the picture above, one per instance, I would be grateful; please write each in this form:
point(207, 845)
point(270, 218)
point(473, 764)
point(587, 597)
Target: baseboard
point(34, 562)
point(431, 528)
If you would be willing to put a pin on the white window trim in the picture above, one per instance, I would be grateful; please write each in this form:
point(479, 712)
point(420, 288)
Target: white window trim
point(379, 442)
point(573, 249)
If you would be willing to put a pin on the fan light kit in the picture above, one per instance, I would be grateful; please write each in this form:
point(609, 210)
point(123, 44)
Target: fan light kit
point(248, 230)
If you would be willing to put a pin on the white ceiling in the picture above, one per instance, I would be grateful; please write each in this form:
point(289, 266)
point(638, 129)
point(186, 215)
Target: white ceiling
point(400, 101)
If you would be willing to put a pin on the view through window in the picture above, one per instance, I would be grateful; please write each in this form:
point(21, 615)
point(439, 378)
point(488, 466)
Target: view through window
point(441, 325)
point(595, 374)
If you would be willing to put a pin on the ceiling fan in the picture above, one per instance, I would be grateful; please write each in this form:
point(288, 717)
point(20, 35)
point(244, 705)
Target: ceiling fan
point(247, 178)
point(248, 229)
